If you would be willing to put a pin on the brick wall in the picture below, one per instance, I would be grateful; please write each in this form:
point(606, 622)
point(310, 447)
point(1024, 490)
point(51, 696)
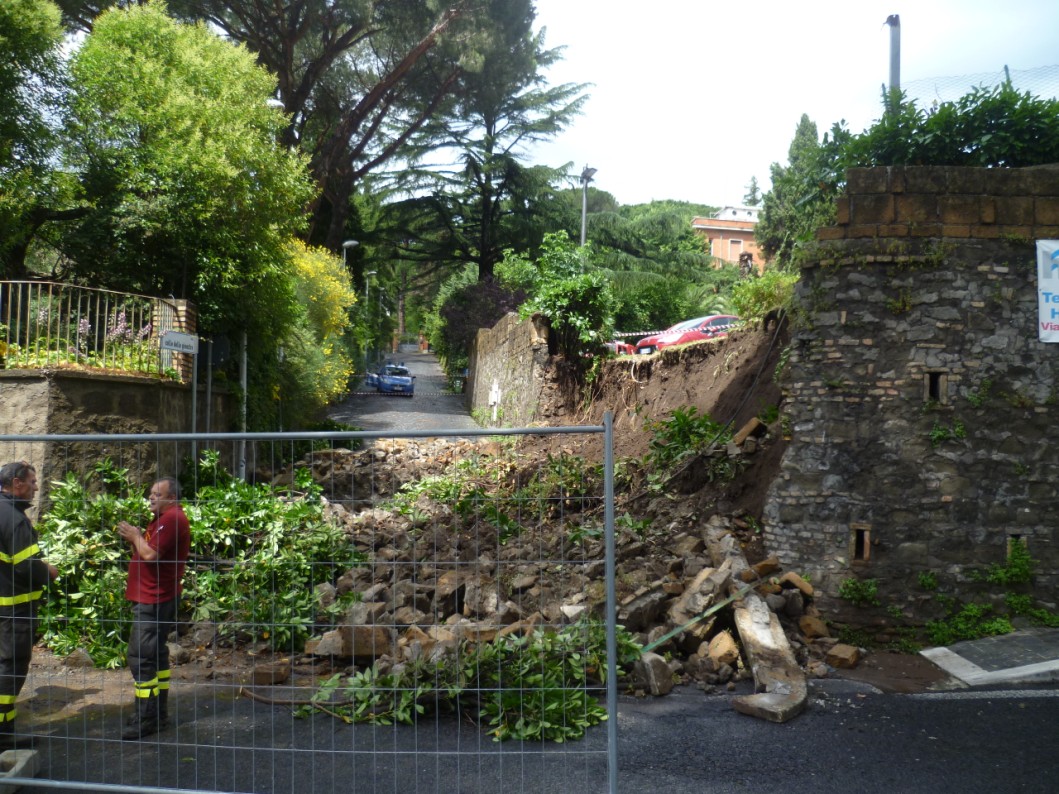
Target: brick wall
point(921, 404)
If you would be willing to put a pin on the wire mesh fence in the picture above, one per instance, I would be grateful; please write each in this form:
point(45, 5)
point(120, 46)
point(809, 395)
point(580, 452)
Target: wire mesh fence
point(375, 612)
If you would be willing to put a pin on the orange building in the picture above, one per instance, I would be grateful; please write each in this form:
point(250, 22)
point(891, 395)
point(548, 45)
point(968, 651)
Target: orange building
point(731, 234)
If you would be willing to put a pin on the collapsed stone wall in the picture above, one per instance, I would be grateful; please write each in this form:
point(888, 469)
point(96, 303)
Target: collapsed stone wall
point(920, 403)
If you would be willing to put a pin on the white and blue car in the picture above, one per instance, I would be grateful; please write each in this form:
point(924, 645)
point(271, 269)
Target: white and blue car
point(392, 379)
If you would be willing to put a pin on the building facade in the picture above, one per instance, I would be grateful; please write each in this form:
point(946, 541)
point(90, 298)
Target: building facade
point(730, 234)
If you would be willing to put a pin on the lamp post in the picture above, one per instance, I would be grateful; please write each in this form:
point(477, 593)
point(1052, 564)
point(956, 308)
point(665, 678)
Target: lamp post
point(367, 309)
point(345, 247)
point(586, 177)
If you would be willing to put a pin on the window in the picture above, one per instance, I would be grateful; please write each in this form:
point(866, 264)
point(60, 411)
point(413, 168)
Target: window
point(936, 387)
point(859, 542)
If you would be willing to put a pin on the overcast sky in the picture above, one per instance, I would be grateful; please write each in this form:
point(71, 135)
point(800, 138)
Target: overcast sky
point(693, 97)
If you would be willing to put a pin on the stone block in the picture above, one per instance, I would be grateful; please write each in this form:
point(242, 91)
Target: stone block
point(17, 763)
point(843, 656)
point(831, 233)
point(812, 627)
point(270, 674)
point(959, 209)
point(366, 642)
point(878, 208)
point(794, 580)
point(1046, 211)
point(861, 181)
point(916, 208)
point(927, 179)
point(1017, 210)
point(655, 672)
point(723, 649)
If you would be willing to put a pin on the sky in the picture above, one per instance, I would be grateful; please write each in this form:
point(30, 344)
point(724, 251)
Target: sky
point(692, 98)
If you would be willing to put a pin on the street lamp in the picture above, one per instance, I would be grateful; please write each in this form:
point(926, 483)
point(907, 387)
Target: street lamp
point(367, 311)
point(345, 247)
point(586, 177)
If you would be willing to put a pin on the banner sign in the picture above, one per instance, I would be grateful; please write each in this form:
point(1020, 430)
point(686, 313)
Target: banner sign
point(1048, 290)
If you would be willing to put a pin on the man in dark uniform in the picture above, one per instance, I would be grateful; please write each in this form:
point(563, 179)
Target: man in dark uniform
point(156, 569)
point(23, 575)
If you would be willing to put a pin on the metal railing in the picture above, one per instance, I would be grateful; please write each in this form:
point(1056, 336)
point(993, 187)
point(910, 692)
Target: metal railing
point(450, 567)
point(46, 325)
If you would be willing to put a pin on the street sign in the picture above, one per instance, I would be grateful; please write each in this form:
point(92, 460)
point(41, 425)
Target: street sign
point(182, 343)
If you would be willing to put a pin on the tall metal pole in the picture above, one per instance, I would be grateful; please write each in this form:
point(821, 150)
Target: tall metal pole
point(610, 568)
point(894, 21)
point(586, 177)
point(241, 462)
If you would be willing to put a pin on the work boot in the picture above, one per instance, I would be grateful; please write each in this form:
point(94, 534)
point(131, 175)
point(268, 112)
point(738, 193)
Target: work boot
point(163, 708)
point(144, 722)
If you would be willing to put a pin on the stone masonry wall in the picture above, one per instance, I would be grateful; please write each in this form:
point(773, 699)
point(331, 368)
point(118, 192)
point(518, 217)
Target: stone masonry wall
point(507, 366)
point(35, 402)
point(921, 404)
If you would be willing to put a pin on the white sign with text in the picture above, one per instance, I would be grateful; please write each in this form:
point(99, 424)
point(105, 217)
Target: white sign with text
point(1048, 290)
point(182, 343)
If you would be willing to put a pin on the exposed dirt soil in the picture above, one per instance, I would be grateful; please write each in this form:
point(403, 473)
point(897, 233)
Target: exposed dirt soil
point(734, 381)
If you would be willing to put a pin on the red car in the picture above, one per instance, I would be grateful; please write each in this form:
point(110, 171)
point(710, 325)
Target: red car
point(711, 327)
point(620, 348)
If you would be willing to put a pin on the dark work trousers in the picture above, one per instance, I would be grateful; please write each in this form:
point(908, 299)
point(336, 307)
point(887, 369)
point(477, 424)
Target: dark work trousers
point(148, 651)
point(18, 629)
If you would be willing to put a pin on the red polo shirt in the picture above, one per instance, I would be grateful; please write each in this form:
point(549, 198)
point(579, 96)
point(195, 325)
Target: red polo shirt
point(159, 580)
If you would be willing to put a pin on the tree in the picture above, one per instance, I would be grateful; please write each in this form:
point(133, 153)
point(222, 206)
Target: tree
point(472, 195)
point(803, 192)
point(189, 193)
point(753, 193)
point(31, 80)
point(357, 79)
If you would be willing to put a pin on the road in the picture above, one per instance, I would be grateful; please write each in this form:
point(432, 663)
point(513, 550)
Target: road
point(433, 407)
point(849, 739)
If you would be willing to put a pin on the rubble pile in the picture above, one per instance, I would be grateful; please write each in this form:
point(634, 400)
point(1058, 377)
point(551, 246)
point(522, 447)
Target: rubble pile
point(431, 580)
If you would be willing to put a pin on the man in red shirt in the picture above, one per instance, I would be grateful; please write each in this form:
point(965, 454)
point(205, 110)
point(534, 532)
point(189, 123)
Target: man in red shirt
point(155, 573)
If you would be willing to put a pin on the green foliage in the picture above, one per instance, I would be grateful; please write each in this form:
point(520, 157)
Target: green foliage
point(531, 688)
point(859, 592)
point(939, 433)
point(978, 397)
point(995, 126)
point(1022, 604)
point(969, 622)
point(462, 306)
point(684, 433)
point(754, 297)
point(928, 580)
point(575, 299)
point(259, 553)
point(30, 81)
point(1017, 570)
point(88, 608)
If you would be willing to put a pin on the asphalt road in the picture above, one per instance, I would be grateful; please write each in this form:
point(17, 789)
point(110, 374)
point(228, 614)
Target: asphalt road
point(433, 406)
point(849, 739)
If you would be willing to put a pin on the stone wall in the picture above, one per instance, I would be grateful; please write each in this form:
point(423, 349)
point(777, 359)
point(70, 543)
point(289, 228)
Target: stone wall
point(69, 402)
point(920, 402)
point(508, 365)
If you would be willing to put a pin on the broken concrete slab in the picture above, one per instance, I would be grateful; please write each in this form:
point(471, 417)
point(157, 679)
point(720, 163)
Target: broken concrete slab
point(781, 684)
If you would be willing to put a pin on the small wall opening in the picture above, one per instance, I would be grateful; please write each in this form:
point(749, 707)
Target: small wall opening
point(1014, 538)
point(860, 542)
point(936, 387)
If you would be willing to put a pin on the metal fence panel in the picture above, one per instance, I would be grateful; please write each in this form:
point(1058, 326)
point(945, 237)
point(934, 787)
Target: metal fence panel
point(451, 587)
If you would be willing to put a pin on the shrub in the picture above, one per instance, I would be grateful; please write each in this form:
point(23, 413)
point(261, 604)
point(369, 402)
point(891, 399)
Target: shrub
point(756, 296)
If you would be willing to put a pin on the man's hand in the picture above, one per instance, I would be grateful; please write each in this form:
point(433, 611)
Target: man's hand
point(128, 532)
